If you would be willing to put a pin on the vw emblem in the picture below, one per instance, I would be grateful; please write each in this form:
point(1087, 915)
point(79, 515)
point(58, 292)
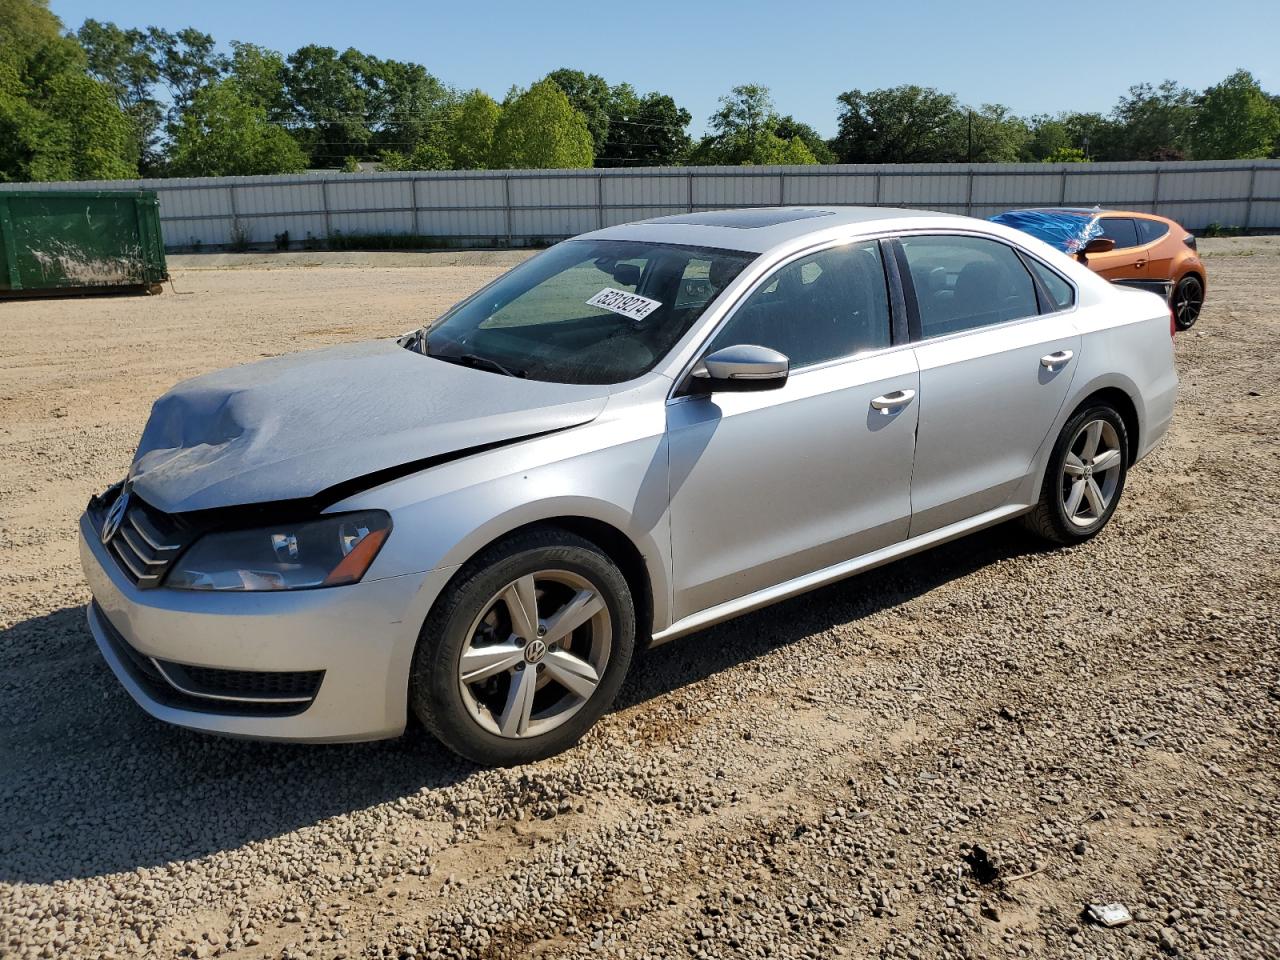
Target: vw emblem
point(115, 517)
point(535, 651)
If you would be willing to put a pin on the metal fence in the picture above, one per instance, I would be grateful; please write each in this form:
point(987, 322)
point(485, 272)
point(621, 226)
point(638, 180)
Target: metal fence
point(521, 207)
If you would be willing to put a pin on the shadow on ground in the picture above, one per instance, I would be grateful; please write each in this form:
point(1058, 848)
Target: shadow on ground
point(90, 785)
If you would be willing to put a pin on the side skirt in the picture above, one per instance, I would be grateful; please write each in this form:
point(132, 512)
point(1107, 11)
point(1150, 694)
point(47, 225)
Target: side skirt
point(820, 578)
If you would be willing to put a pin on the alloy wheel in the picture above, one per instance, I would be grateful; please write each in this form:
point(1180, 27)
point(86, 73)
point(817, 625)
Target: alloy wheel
point(1188, 298)
point(1091, 472)
point(536, 653)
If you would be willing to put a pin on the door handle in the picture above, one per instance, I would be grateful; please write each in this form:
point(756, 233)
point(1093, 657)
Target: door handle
point(1139, 264)
point(893, 401)
point(1056, 359)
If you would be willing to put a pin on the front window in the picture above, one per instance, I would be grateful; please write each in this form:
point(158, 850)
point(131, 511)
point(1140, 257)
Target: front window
point(586, 311)
point(825, 306)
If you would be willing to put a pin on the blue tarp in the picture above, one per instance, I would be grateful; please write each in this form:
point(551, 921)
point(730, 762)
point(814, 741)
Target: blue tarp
point(1067, 230)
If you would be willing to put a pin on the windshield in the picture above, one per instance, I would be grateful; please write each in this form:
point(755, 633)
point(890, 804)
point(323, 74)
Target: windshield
point(585, 311)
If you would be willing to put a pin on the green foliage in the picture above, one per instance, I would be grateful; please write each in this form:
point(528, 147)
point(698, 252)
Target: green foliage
point(540, 129)
point(1067, 155)
point(590, 95)
point(471, 133)
point(124, 60)
point(56, 121)
point(1234, 119)
point(1154, 123)
point(226, 133)
point(259, 74)
point(426, 156)
point(788, 128)
point(906, 124)
point(746, 131)
point(647, 130)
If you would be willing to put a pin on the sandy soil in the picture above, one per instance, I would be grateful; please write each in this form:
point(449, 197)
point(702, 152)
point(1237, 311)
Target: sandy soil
point(948, 757)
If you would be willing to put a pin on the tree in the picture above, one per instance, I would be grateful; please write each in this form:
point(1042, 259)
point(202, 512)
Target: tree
point(471, 134)
point(992, 134)
point(540, 129)
point(1066, 155)
point(223, 132)
point(426, 156)
point(187, 62)
point(1234, 119)
point(644, 131)
point(1153, 123)
point(590, 95)
point(329, 103)
point(788, 128)
point(259, 74)
point(905, 124)
point(747, 130)
point(745, 116)
point(56, 121)
point(124, 60)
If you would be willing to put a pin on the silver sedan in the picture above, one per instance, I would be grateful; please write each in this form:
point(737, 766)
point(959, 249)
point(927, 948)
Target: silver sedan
point(638, 433)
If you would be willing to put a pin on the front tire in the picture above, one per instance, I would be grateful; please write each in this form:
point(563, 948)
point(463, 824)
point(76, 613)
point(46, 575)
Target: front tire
point(1084, 479)
point(524, 650)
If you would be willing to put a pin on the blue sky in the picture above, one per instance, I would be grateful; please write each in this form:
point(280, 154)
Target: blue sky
point(1032, 56)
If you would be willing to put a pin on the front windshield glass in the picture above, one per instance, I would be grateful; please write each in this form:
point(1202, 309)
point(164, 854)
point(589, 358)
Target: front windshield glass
point(585, 311)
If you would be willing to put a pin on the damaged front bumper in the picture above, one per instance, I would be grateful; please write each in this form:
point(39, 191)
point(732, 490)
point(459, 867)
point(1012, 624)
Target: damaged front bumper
point(318, 665)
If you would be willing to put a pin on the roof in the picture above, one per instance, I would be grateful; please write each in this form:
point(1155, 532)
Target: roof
point(757, 229)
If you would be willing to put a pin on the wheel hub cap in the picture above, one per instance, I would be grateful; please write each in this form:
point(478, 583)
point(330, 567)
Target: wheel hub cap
point(535, 651)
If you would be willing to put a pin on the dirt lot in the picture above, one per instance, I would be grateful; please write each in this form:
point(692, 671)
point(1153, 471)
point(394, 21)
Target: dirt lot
point(947, 757)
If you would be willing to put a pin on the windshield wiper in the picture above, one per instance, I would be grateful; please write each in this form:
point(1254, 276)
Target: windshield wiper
point(479, 363)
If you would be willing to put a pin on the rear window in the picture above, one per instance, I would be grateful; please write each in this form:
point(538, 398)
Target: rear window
point(1151, 230)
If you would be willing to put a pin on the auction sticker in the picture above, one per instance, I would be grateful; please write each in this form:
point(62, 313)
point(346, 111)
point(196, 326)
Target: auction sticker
point(628, 304)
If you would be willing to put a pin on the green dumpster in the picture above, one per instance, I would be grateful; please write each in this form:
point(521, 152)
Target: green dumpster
point(80, 241)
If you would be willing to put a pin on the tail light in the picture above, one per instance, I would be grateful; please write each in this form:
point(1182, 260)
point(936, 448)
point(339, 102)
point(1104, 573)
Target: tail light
point(1190, 241)
point(1173, 323)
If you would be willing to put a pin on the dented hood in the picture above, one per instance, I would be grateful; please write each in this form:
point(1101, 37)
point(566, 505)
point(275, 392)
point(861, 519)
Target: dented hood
point(294, 426)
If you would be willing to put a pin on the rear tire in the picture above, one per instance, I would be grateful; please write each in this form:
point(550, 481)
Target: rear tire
point(1084, 478)
point(1188, 300)
point(525, 649)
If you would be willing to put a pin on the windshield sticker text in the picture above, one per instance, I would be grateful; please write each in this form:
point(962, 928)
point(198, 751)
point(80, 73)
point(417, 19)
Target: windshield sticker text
point(628, 304)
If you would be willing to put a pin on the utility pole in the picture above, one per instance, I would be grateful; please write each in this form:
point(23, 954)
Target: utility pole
point(971, 136)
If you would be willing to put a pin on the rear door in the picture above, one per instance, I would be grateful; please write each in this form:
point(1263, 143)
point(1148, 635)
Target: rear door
point(997, 353)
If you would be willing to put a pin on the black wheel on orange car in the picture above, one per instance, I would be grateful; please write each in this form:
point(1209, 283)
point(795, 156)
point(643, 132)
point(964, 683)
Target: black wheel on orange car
point(1188, 298)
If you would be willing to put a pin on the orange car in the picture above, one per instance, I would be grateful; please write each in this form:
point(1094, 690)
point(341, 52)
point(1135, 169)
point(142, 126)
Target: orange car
point(1146, 251)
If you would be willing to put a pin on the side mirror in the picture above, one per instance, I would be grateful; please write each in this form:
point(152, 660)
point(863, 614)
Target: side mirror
point(1096, 245)
point(741, 368)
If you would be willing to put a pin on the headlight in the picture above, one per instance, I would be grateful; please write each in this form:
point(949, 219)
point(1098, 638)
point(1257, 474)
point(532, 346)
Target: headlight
point(326, 552)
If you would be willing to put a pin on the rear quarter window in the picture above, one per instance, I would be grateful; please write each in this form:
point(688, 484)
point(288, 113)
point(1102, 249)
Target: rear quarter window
point(1150, 231)
point(1061, 294)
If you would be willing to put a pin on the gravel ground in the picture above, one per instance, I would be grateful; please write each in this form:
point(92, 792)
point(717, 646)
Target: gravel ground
point(948, 757)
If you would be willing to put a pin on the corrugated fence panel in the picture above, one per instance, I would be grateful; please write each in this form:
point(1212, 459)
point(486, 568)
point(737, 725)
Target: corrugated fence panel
point(944, 192)
point(733, 187)
point(523, 206)
point(857, 188)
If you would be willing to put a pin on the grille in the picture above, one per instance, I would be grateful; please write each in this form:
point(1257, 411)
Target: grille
point(147, 542)
point(211, 690)
point(247, 684)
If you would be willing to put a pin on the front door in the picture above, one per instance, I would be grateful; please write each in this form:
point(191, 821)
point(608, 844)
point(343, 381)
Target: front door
point(769, 486)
